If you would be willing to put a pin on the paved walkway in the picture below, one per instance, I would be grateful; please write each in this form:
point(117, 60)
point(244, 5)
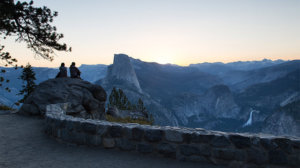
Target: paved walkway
point(23, 144)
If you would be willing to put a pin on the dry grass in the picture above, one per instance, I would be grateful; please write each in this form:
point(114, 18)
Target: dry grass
point(128, 120)
point(4, 107)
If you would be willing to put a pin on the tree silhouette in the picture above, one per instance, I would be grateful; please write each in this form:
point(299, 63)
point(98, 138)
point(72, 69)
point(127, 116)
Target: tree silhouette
point(113, 98)
point(31, 25)
point(119, 99)
point(140, 106)
point(28, 77)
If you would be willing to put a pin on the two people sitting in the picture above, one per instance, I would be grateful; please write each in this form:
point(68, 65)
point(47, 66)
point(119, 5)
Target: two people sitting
point(74, 71)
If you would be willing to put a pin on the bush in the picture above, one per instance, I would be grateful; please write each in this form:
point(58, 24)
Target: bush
point(28, 77)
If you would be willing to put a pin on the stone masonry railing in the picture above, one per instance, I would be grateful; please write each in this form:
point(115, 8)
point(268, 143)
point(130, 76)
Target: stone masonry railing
point(199, 145)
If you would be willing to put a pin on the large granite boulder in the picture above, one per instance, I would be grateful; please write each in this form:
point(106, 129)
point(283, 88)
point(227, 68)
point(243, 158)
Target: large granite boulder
point(83, 98)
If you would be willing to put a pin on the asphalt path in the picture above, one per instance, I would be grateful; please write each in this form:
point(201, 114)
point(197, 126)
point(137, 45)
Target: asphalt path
point(23, 144)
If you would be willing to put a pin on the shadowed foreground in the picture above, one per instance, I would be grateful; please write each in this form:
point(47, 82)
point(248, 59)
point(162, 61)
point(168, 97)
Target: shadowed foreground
point(24, 144)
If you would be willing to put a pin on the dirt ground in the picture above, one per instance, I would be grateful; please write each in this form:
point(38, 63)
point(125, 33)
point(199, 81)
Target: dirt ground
point(23, 144)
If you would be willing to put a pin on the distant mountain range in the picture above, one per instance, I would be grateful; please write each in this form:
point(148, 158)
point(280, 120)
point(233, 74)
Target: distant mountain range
point(219, 67)
point(248, 96)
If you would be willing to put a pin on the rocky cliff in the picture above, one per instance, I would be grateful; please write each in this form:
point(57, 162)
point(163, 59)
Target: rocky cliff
point(219, 101)
point(121, 72)
point(206, 110)
point(285, 120)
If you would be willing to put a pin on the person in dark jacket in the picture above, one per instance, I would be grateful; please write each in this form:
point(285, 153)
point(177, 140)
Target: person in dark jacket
point(74, 71)
point(63, 73)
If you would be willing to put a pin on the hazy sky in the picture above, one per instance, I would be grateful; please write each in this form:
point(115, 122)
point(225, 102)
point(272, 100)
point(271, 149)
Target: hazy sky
point(172, 31)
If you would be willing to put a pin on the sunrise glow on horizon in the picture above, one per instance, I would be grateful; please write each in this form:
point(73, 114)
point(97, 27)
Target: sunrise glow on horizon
point(179, 32)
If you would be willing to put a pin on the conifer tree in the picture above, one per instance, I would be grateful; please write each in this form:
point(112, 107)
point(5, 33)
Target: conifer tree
point(112, 96)
point(119, 99)
point(28, 77)
point(140, 106)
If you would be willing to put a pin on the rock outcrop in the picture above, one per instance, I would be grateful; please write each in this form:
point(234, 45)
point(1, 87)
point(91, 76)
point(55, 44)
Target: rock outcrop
point(219, 101)
point(82, 98)
point(121, 72)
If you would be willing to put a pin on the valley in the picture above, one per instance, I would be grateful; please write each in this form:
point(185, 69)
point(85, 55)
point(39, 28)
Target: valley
point(253, 96)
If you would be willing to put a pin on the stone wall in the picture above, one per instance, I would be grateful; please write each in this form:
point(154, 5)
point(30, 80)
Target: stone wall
point(199, 145)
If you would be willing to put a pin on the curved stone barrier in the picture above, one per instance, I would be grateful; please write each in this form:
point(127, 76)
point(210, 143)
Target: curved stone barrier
point(229, 149)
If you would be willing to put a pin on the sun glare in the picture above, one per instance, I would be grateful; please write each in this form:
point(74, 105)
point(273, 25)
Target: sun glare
point(163, 60)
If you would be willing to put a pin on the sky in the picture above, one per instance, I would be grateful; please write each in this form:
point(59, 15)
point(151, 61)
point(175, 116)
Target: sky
point(180, 32)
